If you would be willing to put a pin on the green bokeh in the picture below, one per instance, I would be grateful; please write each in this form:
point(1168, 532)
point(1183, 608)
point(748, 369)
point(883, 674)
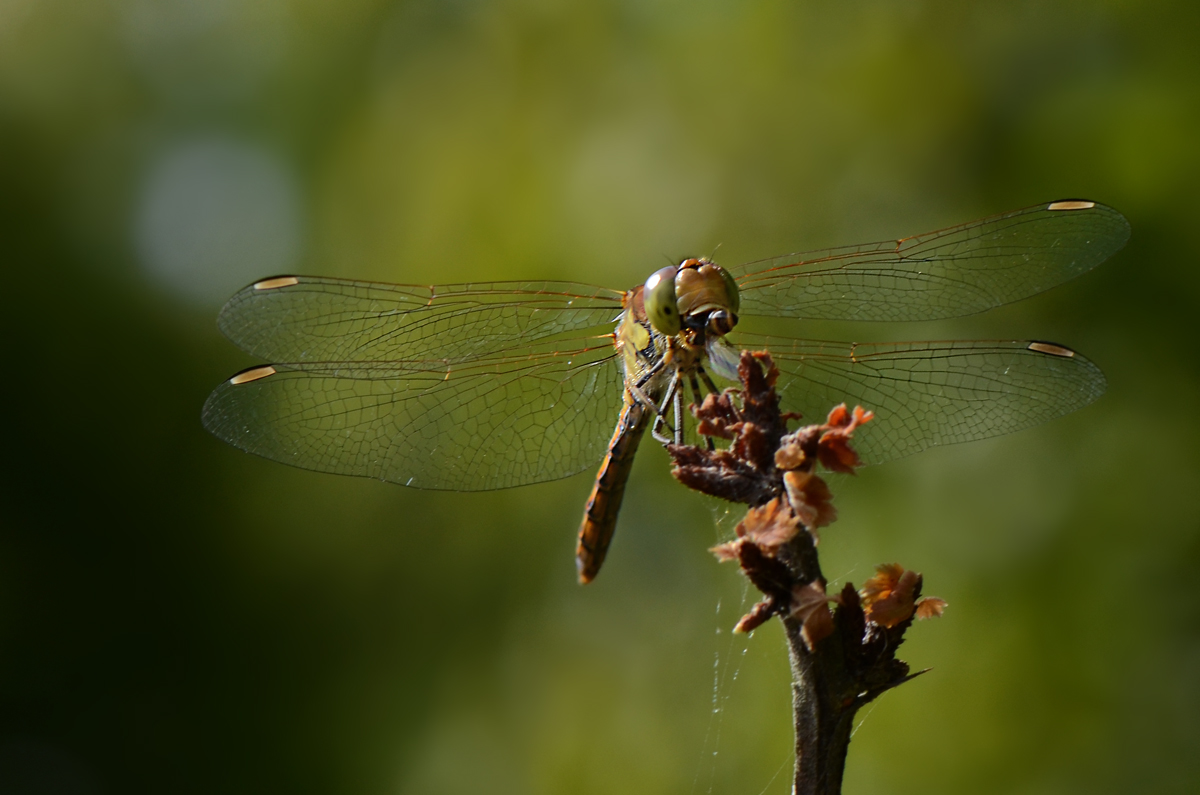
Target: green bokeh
point(178, 616)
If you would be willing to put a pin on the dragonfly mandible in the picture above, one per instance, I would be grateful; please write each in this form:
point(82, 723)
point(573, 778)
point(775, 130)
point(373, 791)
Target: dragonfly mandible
point(471, 387)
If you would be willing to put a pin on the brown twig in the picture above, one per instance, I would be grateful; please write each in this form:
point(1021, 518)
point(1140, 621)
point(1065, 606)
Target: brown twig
point(842, 658)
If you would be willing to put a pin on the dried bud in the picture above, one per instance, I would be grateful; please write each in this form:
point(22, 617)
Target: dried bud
point(758, 615)
point(810, 606)
point(717, 416)
point(790, 455)
point(727, 551)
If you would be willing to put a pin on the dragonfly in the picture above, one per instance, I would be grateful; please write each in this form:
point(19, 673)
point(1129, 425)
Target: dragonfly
point(472, 387)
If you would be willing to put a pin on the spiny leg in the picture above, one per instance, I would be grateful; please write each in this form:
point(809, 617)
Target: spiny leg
point(660, 421)
point(660, 412)
point(653, 371)
point(639, 394)
point(678, 409)
point(698, 397)
point(641, 397)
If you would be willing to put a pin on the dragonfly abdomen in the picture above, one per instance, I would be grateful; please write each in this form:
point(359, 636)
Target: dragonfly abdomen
point(600, 515)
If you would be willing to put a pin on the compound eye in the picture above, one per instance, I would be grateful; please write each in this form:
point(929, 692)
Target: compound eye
point(731, 289)
point(658, 295)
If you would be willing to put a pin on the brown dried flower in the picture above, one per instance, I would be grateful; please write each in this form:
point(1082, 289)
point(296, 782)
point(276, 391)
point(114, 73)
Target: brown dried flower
point(810, 606)
point(717, 416)
point(810, 498)
point(930, 607)
point(790, 455)
point(770, 526)
point(834, 448)
point(889, 598)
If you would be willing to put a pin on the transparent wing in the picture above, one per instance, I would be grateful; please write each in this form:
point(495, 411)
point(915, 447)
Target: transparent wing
point(312, 319)
point(930, 393)
point(517, 417)
point(957, 271)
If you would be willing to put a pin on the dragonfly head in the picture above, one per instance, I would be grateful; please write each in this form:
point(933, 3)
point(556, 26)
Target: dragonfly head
point(696, 294)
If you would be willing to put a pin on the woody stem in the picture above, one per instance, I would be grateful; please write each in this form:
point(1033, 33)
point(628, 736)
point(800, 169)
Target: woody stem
point(822, 719)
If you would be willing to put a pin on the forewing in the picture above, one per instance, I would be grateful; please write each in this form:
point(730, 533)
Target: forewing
point(957, 271)
point(506, 420)
point(313, 319)
point(931, 393)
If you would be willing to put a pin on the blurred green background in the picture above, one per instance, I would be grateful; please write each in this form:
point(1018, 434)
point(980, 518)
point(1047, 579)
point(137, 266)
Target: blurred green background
point(177, 616)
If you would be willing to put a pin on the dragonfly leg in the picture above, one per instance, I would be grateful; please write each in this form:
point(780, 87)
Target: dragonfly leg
point(641, 397)
point(698, 398)
point(708, 382)
point(653, 371)
point(640, 394)
point(660, 421)
point(644, 399)
point(678, 409)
